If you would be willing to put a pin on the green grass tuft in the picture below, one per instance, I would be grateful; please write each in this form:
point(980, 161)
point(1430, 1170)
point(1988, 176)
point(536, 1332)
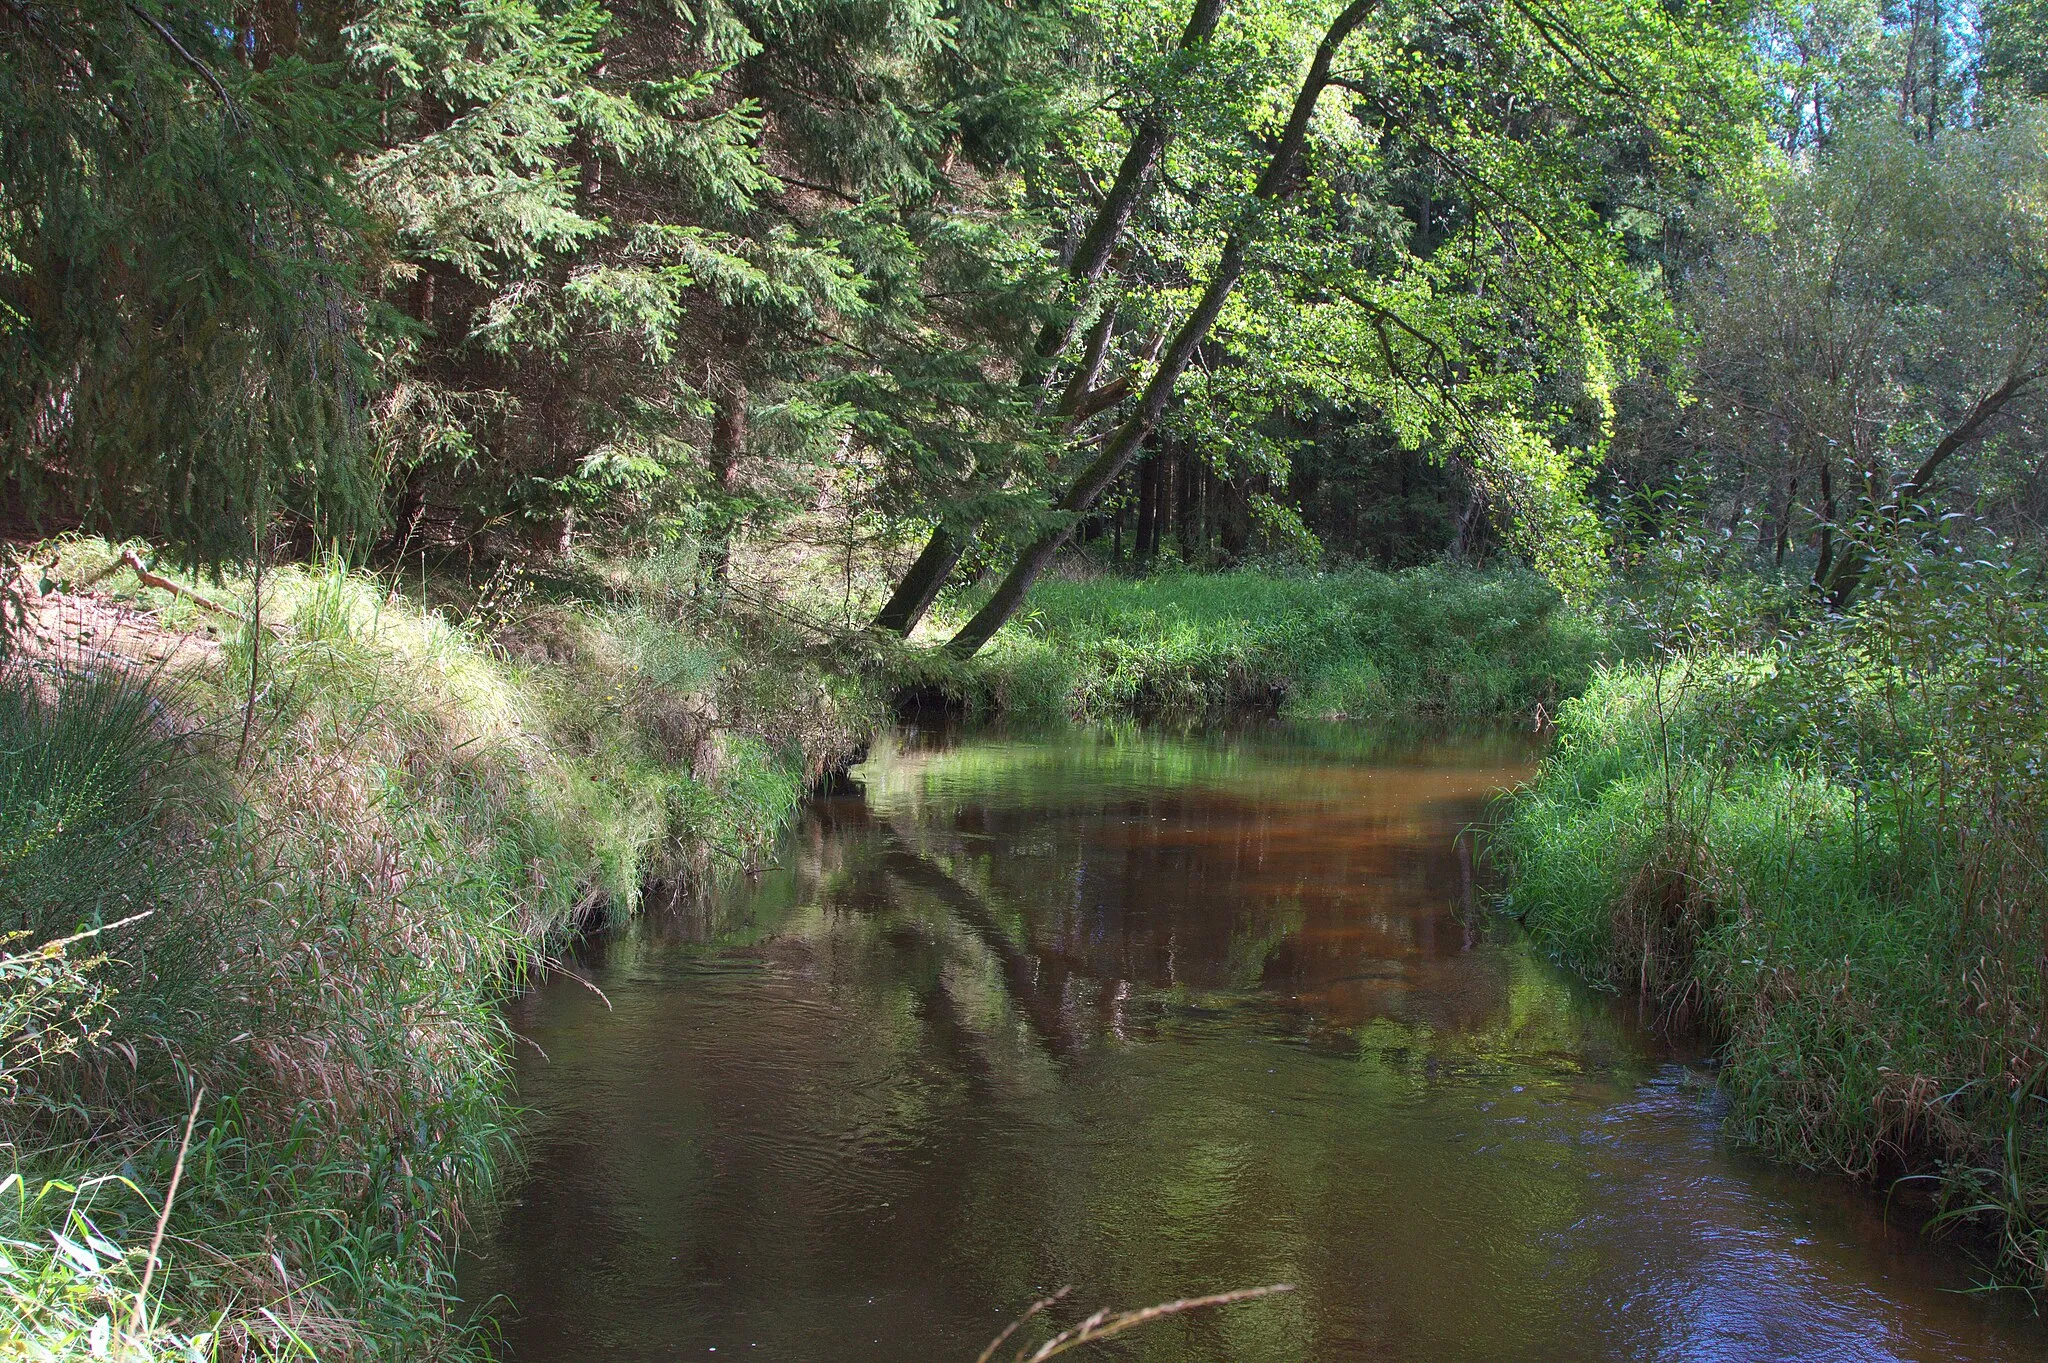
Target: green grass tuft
point(1830, 861)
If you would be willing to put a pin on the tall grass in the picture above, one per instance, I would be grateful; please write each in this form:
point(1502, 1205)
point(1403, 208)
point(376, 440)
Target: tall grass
point(1829, 853)
point(332, 915)
point(1359, 643)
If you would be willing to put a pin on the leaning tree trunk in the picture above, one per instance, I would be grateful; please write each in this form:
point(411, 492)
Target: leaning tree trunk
point(1839, 578)
point(920, 586)
point(1277, 183)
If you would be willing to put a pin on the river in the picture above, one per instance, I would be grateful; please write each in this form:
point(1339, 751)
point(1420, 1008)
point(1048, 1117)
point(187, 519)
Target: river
point(1151, 1016)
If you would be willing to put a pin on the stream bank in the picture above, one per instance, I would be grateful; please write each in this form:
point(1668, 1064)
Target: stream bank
point(1155, 1014)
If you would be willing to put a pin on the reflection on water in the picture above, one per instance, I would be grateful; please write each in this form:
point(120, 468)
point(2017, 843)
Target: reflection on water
point(1154, 1016)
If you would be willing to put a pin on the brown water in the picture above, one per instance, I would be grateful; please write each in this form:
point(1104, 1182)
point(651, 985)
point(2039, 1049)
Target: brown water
point(1154, 1016)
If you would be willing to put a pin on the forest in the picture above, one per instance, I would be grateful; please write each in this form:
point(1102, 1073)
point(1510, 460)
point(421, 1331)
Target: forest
point(473, 469)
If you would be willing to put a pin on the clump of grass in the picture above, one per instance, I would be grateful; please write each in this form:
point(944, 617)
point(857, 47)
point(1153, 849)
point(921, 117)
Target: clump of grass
point(77, 789)
point(1440, 640)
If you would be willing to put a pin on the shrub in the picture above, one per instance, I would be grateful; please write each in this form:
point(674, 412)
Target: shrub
point(1830, 854)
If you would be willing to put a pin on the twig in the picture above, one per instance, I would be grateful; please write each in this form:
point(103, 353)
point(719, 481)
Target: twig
point(1014, 1326)
point(63, 942)
point(227, 100)
point(1104, 1323)
point(156, 1242)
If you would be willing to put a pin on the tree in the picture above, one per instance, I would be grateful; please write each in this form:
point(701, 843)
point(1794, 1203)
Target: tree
point(627, 239)
point(1086, 262)
point(1889, 320)
point(1516, 108)
point(2013, 59)
point(180, 310)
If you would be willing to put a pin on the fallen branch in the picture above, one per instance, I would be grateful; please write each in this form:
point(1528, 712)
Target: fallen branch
point(132, 560)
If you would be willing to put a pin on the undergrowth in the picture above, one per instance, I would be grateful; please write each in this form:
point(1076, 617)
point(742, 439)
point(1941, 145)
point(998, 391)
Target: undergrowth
point(308, 853)
point(1353, 644)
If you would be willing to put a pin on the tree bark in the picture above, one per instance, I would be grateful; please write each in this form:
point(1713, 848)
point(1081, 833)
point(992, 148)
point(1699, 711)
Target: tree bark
point(1148, 504)
point(1785, 519)
point(1826, 562)
point(913, 597)
point(1275, 184)
point(1184, 486)
point(920, 586)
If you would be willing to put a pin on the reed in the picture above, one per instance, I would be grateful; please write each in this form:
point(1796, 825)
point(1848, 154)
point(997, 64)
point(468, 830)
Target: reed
point(1828, 856)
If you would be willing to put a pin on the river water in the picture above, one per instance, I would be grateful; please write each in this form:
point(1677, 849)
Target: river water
point(1152, 1016)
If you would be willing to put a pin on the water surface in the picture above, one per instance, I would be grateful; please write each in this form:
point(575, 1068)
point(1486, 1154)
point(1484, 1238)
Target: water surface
point(1154, 1016)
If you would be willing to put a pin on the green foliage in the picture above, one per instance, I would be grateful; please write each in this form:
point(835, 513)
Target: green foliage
point(1915, 272)
point(1826, 849)
point(2014, 61)
point(1359, 643)
point(180, 344)
point(80, 753)
point(67, 1292)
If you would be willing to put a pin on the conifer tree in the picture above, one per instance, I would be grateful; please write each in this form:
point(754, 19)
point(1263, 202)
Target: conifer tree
point(180, 314)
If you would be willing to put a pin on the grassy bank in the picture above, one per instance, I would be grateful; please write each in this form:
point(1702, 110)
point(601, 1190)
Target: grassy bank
point(273, 872)
point(1358, 644)
point(1829, 856)
point(330, 839)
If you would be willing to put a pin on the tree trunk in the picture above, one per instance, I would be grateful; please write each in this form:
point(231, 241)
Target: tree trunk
point(1148, 504)
point(1275, 184)
point(1184, 486)
point(920, 586)
point(908, 604)
point(1785, 519)
point(1841, 584)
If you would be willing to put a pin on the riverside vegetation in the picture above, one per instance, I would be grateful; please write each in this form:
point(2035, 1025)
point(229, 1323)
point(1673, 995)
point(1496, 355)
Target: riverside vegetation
point(1818, 839)
point(318, 846)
